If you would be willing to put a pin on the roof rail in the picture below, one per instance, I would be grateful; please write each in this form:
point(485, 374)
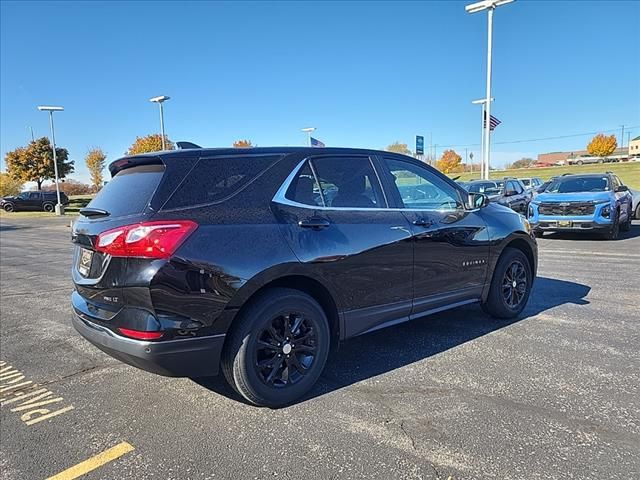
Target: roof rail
point(187, 145)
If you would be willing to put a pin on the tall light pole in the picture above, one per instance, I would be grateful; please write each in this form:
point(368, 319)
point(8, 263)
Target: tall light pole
point(490, 6)
point(309, 130)
point(160, 100)
point(45, 108)
point(484, 171)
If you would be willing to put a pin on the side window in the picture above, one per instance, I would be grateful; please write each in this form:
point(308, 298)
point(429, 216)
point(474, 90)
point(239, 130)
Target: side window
point(305, 189)
point(421, 189)
point(34, 196)
point(617, 182)
point(348, 182)
point(215, 179)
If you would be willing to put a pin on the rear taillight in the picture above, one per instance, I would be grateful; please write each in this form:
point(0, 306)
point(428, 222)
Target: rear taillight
point(140, 335)
point(148, 239)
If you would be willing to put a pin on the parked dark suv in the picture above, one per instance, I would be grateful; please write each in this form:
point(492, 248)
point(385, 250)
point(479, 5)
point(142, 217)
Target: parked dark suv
point(259, 260)
point(36, 200)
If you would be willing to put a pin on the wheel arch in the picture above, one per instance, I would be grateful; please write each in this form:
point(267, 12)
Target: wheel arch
point(313, 287)
point(522, 242)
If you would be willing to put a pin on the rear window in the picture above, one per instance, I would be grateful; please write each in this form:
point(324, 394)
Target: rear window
point(215, 179)
point(130, 191)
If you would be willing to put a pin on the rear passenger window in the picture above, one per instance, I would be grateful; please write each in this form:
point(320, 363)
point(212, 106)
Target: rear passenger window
point(215, 179)
point(342, 182)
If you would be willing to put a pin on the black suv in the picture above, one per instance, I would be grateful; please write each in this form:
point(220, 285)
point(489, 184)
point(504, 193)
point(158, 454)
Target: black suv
point(509, 192)
point(259, 260)
point(36, 200)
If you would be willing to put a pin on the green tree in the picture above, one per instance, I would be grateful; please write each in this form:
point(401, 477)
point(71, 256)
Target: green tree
point(95, 160)
point(150, 143)
point(398, 147)
point(523, 163)
point(34, 163)
point(602, 145)
point(9, 185)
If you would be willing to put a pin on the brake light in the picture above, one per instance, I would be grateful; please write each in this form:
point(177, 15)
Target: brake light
point(148, 239)
point(140, 335)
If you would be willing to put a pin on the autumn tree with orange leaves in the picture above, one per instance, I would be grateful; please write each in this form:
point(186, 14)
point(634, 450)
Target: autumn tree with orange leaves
point(150, 143)
point(450, 162)
point(602, 145)
point(242, 144)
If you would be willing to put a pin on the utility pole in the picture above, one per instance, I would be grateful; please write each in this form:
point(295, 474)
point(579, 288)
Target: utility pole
point(622, 137)
point(32, 137)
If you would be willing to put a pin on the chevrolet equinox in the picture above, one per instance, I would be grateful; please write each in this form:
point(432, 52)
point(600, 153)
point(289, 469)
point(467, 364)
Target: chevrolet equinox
point(258, 261)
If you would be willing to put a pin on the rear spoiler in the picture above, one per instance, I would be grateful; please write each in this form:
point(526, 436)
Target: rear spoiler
point(127, 162)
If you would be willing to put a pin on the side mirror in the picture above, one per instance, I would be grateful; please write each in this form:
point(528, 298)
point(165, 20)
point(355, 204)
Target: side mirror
point(622, 188)
point(510, 193)
point(477, 200)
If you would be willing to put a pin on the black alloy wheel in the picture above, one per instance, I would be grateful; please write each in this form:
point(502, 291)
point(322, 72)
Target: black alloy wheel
point(277, 347)
point(8, 207)
point(514, 284)
point(285, 350)
point(510, 285)
point(48, 207)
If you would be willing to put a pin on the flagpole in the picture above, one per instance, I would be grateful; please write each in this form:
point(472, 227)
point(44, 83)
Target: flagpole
point(482, 160)
point(487, 131)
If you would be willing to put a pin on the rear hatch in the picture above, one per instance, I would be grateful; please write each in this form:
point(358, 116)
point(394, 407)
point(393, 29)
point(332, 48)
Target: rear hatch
point(127, 199)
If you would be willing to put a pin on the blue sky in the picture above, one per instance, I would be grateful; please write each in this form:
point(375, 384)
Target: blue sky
point(364, 73)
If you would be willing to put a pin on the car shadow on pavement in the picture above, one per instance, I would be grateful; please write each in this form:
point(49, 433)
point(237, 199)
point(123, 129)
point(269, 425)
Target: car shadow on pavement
point(395, 347)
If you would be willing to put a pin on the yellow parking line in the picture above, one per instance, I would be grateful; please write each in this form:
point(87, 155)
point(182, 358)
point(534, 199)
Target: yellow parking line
point(93, 462)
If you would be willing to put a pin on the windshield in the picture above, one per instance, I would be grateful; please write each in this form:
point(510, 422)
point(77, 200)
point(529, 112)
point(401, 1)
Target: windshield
point(489, 188)
point(583, 184)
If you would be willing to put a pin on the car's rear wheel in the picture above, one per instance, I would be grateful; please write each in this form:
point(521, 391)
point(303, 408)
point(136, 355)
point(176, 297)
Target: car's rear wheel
point(510, 286)
point(277, 348)
point(614, 231)
point(48, 207)
point(8, 207)
point(579, 162)
point(638, 212)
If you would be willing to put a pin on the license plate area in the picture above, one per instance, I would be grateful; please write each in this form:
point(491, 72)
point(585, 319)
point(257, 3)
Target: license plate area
point(565, 223)
point(84, 261)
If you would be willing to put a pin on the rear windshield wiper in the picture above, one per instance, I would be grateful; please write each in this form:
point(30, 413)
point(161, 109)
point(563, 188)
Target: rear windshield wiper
point(94, 212)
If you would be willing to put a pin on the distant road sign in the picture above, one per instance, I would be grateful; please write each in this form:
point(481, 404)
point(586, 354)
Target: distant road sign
point(419, 145)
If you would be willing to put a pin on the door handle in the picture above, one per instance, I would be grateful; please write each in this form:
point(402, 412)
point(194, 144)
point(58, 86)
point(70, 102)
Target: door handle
point(314, 222)
point(422, 222)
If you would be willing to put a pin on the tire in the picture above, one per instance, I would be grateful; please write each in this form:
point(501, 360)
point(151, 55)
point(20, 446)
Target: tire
point(626, 226)
point(600, 160)
point(505, 300)
point(638, 212)
point(259, 336)
point(579, 162)
point(8, 207)
point(48, 207)
point(614, 231)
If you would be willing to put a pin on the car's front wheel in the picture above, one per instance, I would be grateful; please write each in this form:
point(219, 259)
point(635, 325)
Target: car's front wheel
point(614, 231)
point(510, 286)
point(626, 226)
point(8, 207)
point(277, 348)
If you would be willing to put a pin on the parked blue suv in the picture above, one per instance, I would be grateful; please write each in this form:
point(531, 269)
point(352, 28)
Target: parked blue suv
point(592, 202)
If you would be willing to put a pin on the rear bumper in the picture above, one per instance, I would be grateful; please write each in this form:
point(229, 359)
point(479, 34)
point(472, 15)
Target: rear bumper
point(189, 357)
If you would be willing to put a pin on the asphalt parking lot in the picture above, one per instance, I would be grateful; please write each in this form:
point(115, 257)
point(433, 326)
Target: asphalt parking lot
point(554, 394)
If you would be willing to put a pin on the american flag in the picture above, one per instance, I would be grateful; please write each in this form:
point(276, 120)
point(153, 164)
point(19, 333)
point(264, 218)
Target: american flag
point(316, 143)
point(493, 122)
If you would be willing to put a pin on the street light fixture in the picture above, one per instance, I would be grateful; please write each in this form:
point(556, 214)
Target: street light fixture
point(160, 100)
point(309, 130)
point(490, 6)
point(47, 108)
